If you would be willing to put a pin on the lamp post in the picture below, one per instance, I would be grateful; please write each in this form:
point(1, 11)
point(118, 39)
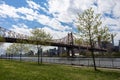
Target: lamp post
point(40, 55)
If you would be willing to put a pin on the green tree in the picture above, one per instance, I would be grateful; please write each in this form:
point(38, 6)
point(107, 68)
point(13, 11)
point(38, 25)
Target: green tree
point(11, 50)
point(90, 28)
point(17, 49)
point(22, 46)
point(39, 36)
point(103, 35)
point(1, 41)
point(79, 41)
point(1, 36)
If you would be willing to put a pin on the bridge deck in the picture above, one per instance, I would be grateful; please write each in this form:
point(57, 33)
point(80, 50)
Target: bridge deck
point(50, 43)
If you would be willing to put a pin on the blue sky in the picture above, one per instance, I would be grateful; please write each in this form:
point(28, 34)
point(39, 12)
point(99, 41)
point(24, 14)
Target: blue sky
point(56, 16)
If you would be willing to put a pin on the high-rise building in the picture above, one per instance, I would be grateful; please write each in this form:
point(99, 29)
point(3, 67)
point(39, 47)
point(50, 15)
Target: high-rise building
point(112, 37)
point(119, 45)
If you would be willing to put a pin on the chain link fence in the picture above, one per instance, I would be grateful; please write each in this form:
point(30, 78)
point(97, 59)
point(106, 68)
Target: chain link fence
point(100, 62)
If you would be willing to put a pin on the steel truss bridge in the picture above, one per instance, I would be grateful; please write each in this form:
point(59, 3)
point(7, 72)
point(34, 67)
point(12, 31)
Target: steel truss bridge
point(67, 41)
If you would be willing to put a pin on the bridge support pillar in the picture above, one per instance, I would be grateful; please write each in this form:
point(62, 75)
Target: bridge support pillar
point(70, 52)
point(61, 51)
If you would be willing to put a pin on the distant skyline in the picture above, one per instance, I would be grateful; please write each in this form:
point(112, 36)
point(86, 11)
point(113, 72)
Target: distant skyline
point(56, 16)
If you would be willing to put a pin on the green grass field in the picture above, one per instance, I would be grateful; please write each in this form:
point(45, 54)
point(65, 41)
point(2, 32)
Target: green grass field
point(15, 70)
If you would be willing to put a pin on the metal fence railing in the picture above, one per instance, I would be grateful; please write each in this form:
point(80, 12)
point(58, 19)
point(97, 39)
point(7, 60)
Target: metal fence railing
point(100, 62)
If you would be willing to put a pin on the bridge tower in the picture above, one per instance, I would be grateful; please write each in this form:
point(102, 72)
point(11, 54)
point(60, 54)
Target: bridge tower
point(70, 50)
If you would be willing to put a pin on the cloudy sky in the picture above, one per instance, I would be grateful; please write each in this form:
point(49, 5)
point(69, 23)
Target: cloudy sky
point(56, 16)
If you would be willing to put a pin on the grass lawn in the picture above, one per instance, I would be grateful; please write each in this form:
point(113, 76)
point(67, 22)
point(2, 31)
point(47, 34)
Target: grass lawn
point(15, 70)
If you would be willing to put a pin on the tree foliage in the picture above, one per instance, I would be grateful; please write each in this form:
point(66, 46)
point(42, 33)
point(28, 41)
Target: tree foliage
point(17, 48)
point(41, 36)
point(1, 40)
point(90, 29)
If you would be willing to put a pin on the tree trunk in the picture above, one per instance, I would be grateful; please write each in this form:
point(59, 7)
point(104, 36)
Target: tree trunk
point(92, 49)
point(93, 57)
point(38, 56)
point(92, 53)
point(41, 55)
point(79, 50)
point(20, 56)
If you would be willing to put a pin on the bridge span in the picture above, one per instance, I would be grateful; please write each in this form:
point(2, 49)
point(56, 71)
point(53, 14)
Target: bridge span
point(67, 41)
point(47, 43)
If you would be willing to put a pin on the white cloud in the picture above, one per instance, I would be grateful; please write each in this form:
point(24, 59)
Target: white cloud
point(59, 9)
point(43, 19)
point(8, 11)
point(55, 34)
point(66, 10)
point(21, 28)
point(105, 6)
point(21, 12)
point(31, 15)
point(55, 24)
point(114, 26)
point(116, 10)
point(27, 13)
point(58, 5)
point(111, 22)
point(15, 13)
point(62, 11)
point(33, 5)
